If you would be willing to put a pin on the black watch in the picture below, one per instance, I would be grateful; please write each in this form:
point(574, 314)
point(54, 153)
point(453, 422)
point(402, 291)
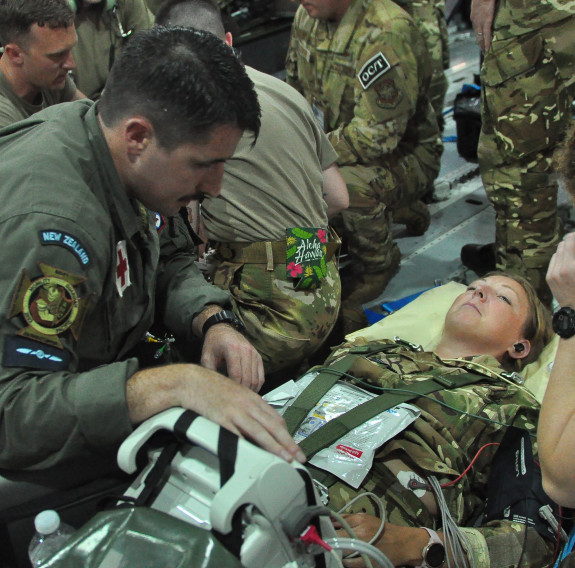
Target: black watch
point(564, 322)
point(223, 316)
point(434, 551)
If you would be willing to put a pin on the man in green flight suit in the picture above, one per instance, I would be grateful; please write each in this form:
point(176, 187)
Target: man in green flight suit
point(363, 66)
point(87, 266)
point(37, 41)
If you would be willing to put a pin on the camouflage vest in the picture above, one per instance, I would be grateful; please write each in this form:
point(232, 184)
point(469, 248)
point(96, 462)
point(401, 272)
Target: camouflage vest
point(455, 422)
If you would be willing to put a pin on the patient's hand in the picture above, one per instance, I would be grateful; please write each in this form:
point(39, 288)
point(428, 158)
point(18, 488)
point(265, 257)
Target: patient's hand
point(402, 545)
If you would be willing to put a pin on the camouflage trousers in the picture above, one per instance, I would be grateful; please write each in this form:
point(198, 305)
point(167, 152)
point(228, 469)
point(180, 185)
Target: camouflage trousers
point(373, 192)
point(285, 325)
point(527, 88)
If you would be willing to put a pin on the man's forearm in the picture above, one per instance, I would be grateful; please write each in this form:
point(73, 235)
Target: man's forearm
point(151, 391)
point(556, 430)
point(215, 397)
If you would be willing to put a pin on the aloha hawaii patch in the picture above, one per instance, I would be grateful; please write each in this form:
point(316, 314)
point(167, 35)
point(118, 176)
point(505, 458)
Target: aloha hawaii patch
point(65, 240)
point(372, 70)
point(305, 256)
point(50, 305)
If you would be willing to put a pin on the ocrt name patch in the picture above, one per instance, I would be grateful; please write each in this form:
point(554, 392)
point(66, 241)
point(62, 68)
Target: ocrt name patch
point(373, 69)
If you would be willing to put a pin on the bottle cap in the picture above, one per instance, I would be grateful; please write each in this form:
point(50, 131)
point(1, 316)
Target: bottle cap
point(47, 522)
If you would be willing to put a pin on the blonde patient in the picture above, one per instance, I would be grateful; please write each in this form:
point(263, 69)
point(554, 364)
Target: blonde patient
point(497, 321)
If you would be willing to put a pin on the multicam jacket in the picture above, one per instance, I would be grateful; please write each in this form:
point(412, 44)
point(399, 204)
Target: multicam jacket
point(368, 77)
point(443, 442)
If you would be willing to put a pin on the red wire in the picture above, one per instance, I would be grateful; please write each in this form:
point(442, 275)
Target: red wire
point(470, 465)
point(311, 536)
point(558, 541)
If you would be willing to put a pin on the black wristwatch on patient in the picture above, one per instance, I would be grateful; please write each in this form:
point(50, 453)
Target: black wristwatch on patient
point(223, 316)
point(564, 322)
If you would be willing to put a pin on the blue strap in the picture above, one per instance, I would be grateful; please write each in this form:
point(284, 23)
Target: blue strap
point(567, 549)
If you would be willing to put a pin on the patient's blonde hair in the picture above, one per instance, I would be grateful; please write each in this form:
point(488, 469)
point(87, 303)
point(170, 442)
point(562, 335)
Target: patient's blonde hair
point(537, 329)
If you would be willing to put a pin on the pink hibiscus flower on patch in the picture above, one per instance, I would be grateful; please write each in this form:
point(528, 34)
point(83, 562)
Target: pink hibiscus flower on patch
point(322, 235)
point(294, 269)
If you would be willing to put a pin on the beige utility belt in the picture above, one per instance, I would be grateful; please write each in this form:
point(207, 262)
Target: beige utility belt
point(270, 253)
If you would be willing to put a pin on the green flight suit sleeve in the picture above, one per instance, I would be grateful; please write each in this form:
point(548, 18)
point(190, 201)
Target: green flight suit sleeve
point(53, 406)
point(182, 290)
point(9, 114)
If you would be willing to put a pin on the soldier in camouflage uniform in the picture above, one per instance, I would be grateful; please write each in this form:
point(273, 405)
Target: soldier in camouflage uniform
point(527, 79)
point(288, 179)
point(444, 440)
point(364, 67)
point(429, 15)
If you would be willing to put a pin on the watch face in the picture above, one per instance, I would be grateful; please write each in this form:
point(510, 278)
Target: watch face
point(435, 555)
point(564, 322)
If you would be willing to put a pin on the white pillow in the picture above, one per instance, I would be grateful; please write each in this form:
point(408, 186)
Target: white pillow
point(421, 322)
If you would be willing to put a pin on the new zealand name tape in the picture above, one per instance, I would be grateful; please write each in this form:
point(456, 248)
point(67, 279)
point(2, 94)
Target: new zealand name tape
point(51, 237)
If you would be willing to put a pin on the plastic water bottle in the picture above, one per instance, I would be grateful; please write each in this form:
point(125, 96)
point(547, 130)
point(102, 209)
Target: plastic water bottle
point(51, 535)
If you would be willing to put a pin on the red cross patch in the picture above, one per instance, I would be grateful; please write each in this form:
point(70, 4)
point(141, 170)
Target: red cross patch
point(122, 268)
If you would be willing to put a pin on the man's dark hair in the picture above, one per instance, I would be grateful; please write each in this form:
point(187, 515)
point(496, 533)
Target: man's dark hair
point(185, 82)
point(198, 14)
point(18, 16)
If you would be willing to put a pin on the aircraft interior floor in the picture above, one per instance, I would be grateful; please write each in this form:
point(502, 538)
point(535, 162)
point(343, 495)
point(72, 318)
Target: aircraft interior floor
point(464, 215)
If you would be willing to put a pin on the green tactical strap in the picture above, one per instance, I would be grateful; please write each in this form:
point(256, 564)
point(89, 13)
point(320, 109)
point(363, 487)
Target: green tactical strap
point(338, 427)
point(324, 477)
point(311, 395)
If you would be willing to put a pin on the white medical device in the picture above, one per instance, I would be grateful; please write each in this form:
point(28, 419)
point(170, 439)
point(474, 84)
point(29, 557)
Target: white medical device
point(255, 502)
